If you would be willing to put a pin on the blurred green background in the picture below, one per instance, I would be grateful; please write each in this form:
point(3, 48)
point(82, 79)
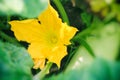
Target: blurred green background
point(95, 50)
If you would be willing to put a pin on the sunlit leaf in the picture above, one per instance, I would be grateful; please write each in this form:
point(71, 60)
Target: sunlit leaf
point(104, 43)
point(25, 8)
point(80, 59)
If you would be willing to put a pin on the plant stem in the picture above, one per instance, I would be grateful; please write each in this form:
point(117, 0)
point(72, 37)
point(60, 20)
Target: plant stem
point(9, 39)
point(42, 73)
point(62, 11)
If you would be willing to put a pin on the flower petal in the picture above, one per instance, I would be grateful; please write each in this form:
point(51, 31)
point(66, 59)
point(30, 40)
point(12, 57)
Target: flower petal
point(67, 32)
point(50, 19)
point(37, 50)
point(39, 63)
point(27, 29)
point(57, 54)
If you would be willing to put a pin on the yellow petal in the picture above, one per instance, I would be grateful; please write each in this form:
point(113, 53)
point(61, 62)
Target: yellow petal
point(27, 29)
point(67, 32)
point(50, 19)
point(39, 63)
point(35, 50)
point(57, 54)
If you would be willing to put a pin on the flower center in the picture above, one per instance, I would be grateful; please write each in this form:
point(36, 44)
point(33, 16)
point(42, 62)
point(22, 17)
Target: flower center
point(53, 39)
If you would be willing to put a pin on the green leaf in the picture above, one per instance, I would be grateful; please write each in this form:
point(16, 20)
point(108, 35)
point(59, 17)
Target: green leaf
point(97, 5)
point(25, 8)
point(15, 63)
point(64, 1)
point(86, 18)
point(116, 10)
point(99, 69)
point(87, 46)
point(80, 59)
point(103, 41)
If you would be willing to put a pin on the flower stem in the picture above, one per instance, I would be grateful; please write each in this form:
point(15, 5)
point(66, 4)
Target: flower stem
point(42, 73)
point(62, 11)
point(9, 39)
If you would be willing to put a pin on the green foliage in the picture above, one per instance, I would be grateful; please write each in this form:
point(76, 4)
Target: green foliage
point(86, 18)
point(102, 40)
point(95, 50)
point(15, 63)
point(25, 8)
point(109, 8)
point(116, 10)
point(105, 41)
point(99, 69)
point(64, 1)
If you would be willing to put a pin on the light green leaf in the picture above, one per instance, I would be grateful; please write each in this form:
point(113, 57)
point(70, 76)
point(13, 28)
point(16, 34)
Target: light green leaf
point(99, 69)
point(105, 41)
point(81, 59)
point(25, 8)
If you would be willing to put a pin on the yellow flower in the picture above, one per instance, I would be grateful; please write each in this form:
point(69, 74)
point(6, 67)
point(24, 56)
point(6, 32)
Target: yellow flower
point(47, 35)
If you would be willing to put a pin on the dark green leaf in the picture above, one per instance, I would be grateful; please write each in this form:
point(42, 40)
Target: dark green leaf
point(15, 63)
point(86, 18)
point(87, 46)
point(64, 1)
